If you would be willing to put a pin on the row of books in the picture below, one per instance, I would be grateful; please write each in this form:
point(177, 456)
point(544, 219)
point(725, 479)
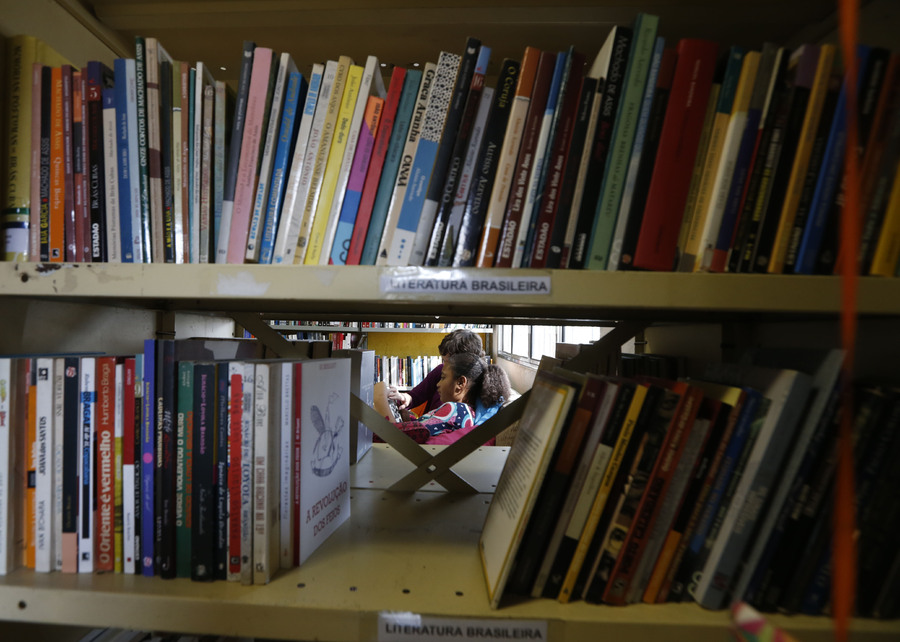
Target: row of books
point(656, 156)
point(404, 372)
point(180, 461)
point(715, 489)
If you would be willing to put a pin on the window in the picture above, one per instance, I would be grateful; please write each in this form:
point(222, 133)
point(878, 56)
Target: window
point(528, 343)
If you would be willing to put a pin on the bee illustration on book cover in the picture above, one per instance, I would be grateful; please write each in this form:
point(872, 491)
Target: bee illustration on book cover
point(327, 451)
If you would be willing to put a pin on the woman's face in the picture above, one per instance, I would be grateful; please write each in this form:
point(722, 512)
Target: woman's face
point(448, 387)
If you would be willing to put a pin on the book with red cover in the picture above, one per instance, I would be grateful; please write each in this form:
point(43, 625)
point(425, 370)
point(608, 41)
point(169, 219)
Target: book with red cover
point(674, 163)
point(56, 239)
point(376, 163)
point(512, 218)
point(570, 93)
point(618, 586)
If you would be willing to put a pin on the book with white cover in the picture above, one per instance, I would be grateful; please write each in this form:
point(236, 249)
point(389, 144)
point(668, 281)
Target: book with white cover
point(324, 389)
point(111, 178)
point(266, 438)
point(285, 435)
point(7, 545)
point(44, 470)
point(522, 476)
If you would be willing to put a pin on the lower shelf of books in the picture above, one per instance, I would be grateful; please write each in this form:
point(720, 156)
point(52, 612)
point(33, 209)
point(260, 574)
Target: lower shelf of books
point(398, 553)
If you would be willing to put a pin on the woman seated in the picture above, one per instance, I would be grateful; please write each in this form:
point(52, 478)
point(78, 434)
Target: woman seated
point(466, 381)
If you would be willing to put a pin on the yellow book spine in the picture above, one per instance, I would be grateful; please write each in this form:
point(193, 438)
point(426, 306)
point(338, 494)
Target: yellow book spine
point(887, 250)
point(615, 461)
point(318, 170)
point(333, 167)
point(801, 159)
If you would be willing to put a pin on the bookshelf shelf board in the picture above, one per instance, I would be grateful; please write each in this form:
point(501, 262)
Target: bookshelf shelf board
point(354, 292)
point(290, 327)
point(412, 552)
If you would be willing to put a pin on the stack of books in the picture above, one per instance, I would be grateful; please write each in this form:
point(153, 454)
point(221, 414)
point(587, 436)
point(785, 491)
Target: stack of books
point(652, 155)
point(714, 489)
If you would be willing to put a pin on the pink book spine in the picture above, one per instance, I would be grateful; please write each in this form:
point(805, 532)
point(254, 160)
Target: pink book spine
point(364, 146)
point(246, 177)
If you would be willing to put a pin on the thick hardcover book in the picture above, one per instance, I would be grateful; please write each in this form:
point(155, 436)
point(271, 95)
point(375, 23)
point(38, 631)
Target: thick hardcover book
point(811, 136)
point(297, 181)
point(234, 151)
point(105, 473)
point(202, 506)
point(409, 99)
point(457, 204)
point(695, 218)
point(821, 223)
point(546, 217)
point(356, 103)
point(253, 134)
point(184, 468)
point(472, 223)
point(404, 163)
point(627, 114)
point(365, 201)
point(623, 576)
point(283, 67)
point(508, 516)
point(324, 467)
point(515, 128)
point(726, 171)
point(469, 65)
point(716, 259)
point(643, 150)
point(404, 234)
point(508, 249)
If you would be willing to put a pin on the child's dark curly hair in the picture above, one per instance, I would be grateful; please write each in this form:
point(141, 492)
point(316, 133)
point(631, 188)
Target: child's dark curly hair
point(461, 340)
point(487, 381)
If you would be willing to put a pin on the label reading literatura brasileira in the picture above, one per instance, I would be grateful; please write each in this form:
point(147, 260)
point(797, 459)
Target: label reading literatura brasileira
point(461, 282)
point(412, 627)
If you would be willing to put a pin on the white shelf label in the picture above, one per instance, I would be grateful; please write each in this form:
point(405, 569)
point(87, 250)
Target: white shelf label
point(442, 282)
point(412, 627)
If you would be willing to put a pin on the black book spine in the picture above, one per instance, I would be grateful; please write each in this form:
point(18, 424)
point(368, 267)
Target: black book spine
point(611, 88)
point(486, 167)
point(165, 148)
point(203, 506)
point(71, 390)
point(164, 492)
point(99, 77)
point(221, 472)
point(44, 186)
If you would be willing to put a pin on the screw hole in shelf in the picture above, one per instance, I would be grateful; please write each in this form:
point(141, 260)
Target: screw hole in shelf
point(352, 589)
point(22, 605)
point(24, 278)
point(405, 591)
point(459, 594)
point(301, 585)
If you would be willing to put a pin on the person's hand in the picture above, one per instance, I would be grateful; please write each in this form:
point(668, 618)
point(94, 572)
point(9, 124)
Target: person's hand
point(400, 398)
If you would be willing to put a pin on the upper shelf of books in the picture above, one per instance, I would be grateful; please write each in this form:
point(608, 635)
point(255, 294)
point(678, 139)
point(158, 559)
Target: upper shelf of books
point(447, 295)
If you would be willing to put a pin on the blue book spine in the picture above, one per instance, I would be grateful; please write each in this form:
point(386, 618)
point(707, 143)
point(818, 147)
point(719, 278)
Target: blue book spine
point(123, 83)
point(148, 462)
point(540, 160)
point(391, 165)
point(295, 95)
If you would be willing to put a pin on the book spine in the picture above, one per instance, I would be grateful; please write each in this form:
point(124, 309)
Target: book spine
point(267, 160)
point(164, 475)
point(184, 468)
point(221, 472)
point(410, 214)
point(405, 162)
point(143, 152)
point(173, 157)
point(297, 183)
point(245, 514)
point(148, 458)
point(203, 504)
point(468, 67)
point(639, 59)
point(239, 116)
point(56, 240)
point(70, 239)
point(370, 187)
point(252, 134)
point(235, 413)
point(285, 436)
point(86, 477)
point(105, 473)
point(207, 178)
point(126, 145)
point(488, 247)
point(217, 198)
point(130, 418)
point(69, 479)
point(154, 153)
point(473, 217)
point(295, 96)
point(112, 217)
point(7, 446)
point(43, 458)
point(343, 234)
